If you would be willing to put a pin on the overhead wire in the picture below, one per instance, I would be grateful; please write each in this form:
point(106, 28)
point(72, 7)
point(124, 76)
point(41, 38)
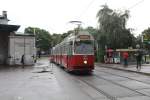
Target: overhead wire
point(139, 2)
point(85, 10)
point(92, 1)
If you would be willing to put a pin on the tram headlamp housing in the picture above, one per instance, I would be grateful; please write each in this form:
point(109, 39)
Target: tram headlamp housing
point(85, 62)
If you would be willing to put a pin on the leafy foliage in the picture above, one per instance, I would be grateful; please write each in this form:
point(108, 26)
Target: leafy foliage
point(112, 27)
point(92, 31)
point(43, 37)
point(146, 31)
point(44, 40)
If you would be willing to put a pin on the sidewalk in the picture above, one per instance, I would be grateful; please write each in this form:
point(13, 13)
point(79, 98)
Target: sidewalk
point(145, 68)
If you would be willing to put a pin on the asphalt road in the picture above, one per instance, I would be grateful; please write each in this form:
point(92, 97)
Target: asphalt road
point(46, 81)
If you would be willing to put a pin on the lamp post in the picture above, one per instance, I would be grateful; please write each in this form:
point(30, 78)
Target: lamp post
point(23, 56)
point(24, 44)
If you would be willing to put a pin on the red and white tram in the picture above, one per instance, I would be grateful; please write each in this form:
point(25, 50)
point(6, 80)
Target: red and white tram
point(75, 53)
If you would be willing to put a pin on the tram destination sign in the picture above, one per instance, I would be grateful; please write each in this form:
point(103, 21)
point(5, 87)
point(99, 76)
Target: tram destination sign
point(84, 37)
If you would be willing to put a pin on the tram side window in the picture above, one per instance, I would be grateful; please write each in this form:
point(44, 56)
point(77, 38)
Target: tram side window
point(56, 51)
point(70, 50)
point(71, 43)
point(62, 49)
point(65, 49)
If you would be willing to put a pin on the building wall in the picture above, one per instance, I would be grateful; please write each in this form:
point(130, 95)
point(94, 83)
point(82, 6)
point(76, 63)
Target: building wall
point(21, 45)
point(3, 47)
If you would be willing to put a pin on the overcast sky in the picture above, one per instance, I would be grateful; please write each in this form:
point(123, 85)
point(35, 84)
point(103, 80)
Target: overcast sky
point(54, 15)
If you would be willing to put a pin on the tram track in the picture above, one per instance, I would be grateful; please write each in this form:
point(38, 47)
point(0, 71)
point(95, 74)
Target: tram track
point(120, 84)
point(109, 96)
point(123, 76)
point(81, 80)
point(98, 90)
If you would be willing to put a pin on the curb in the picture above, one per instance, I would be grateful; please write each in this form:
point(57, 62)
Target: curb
point(148, 74)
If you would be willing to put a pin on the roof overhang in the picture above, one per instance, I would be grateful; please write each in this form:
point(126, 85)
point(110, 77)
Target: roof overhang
point(8, 28)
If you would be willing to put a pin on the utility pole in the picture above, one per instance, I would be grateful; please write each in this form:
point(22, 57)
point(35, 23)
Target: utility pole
point(23, 56)
point(34, 56)
point(24, 43)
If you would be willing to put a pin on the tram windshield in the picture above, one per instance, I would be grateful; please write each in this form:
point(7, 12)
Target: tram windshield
point(84, 47)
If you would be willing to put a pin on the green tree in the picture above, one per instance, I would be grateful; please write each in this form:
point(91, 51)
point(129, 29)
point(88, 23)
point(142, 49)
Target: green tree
point(92, 31)
point(64, 35)
point(112, 25)
point(112, 29)
point(43, 37)
point(56, 38)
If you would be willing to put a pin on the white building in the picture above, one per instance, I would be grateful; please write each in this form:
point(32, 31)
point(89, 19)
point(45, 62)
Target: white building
point(20, 45)
point(13, 46)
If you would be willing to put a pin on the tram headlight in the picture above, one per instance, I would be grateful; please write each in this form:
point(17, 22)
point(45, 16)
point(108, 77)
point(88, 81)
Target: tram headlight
point(85, 62)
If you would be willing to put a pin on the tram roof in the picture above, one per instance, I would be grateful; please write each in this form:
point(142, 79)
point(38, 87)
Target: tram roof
point(74, 36)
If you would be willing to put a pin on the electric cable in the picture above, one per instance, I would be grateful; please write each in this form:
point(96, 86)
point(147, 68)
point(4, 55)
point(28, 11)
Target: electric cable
point(85, 10)
point(136, 4)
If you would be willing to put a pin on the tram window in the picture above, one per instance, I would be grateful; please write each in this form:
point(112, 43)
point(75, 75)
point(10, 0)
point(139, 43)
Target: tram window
point(84, 47)
point(77, 43)
point(85, 42)
point(65, 49)
point(70, 42)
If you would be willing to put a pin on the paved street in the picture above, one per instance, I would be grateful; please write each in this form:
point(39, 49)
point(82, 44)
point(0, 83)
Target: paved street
point(42, 82)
